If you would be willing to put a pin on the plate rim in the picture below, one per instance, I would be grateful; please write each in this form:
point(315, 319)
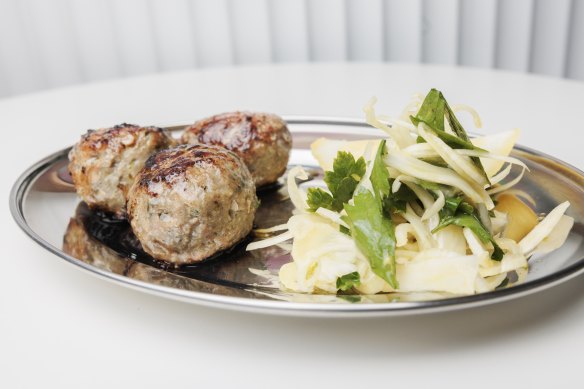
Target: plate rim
point(22, 185)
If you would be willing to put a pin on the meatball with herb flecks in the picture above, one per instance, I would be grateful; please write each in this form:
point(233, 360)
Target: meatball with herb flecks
point(261, 140)
point(104, 163)
point(190, 202)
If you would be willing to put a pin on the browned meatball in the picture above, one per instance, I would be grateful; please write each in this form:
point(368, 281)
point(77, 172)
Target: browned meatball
point(262, 140)
point(104, 163)
point(190, 202)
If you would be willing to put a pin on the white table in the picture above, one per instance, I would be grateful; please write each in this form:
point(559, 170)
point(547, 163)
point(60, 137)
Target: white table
point(62, 327)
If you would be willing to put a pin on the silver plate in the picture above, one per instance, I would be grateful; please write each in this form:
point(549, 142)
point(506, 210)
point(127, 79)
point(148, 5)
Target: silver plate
point(45, 206)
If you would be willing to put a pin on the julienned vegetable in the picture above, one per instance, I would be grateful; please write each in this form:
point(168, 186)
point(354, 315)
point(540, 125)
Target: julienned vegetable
point(425, 209)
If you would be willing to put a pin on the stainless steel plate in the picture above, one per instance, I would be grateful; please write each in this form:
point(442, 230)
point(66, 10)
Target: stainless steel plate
point(45, 206)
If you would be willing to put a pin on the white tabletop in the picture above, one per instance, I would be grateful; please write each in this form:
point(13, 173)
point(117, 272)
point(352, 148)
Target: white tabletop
point(63, 327)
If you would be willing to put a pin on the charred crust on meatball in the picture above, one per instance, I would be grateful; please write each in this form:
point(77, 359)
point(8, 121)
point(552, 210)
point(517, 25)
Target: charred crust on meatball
point(105, 162)
point(168, 166)
point(261, 140)
point(190, 202)
point(119, 136)
point(251, 127)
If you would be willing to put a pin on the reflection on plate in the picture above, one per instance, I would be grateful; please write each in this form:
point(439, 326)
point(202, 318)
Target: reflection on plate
point(45, 206)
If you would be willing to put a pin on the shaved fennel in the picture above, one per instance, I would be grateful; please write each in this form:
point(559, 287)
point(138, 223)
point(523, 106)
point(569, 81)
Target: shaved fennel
point(414, 212)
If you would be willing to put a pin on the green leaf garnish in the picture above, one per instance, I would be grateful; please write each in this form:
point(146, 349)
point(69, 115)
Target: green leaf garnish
point(472, 222)
point(374, 235)
point(348, 281)
point(317, 198)
point(380, 175)
point(503, 283)
point(341, 182)
point(454, 205)
point(432, 113)
point(345, 230)
point(397, 201)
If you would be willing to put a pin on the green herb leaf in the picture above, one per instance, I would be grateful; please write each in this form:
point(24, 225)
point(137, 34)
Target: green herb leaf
point(345, 230)
point(454, 205)
point(341, 182)
point(380, 175)
point(503, 283)
point(472, 222)
point(344, 166)
point(318, 198)
point(397, 201)
point(374, 235)
point(348, 281)
point(432, 113)
point(350, 298)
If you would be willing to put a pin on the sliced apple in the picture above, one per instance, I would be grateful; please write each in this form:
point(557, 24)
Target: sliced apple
point(521, 218)
point(500, 144)
point(325, 150)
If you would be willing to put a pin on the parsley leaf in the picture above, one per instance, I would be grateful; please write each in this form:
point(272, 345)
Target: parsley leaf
point(348, 281)
point(317, 198)
point(374, 235)
point(341, 182)
point(344, 177)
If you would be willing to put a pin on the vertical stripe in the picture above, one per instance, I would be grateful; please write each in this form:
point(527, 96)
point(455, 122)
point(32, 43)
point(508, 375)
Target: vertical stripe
point(478, 28)
point(514, 34)
point(550, 36)
point(289, 30)
point(250, 31)
point(173, 34)
point(212, 31)
point(575, 63)
point(95, 39)
point(135, 36)
point(327, 26)
point(51, 27)
point(440, 31)
point(403, 30)
point(365, 30)
point(18, 54)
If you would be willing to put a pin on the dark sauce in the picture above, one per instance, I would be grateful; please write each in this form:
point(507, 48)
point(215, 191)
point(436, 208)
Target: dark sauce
point(224, 267)
point(117, 235)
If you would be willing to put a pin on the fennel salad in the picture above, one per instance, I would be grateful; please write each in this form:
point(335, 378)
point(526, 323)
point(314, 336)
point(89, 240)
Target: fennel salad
point(426, 209)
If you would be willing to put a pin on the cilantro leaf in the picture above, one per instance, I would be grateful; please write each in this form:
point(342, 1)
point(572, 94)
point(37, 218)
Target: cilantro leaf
point(317, 198)
point(348, 281)
point(472, 222)
point(374, 235)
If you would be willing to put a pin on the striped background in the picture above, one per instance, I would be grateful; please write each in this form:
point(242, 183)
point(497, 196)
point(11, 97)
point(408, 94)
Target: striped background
point(50, 43)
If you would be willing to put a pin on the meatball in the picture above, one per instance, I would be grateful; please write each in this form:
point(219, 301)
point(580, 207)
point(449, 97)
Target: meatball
point(190, 202)
point(104, 163)
point(262, 140)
